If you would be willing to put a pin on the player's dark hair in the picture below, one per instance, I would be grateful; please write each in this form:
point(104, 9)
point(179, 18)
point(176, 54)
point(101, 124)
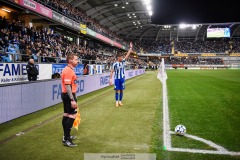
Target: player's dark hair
point(119, 54)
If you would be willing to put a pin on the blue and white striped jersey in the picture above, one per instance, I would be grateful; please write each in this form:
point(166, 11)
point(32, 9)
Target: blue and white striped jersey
point(119, 71)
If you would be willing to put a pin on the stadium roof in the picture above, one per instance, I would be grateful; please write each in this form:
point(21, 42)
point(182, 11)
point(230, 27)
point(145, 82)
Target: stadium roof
point(130, 18)
point(116, 15)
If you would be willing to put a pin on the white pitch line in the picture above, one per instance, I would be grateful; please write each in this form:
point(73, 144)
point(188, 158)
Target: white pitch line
point(167, 133)
point(204, 151)
point(210, 143)
point(166, 126)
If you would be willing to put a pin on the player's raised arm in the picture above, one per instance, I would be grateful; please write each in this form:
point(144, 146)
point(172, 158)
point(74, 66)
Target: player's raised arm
point(128, 53)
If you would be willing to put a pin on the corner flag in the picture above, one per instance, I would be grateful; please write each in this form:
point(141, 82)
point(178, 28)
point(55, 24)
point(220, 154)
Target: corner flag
point(162, 75)
point(77, 121)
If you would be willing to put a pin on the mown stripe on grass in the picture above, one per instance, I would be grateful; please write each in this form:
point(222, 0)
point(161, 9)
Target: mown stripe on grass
point(59, 115)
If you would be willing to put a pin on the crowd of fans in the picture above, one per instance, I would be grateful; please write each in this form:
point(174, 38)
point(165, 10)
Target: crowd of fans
point(51, 46)
point(207, 46)
point(194, 61)
point(190, 46)
point(188, 60)
point(17, 38)
point(143, 46)
point(80, 16)
point(150, 46)
point(30, 42)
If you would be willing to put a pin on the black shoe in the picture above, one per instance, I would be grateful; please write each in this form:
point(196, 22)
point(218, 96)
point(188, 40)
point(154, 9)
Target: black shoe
point(71, 137)
point(69, 143)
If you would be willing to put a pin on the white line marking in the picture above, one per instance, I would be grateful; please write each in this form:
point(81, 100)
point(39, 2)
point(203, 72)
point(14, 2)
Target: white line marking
point(210, 143)
point(166, 126)
point(204, 151)
point(167, 133)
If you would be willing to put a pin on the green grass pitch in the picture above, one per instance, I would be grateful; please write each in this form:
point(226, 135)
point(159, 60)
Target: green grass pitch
point(206, 102)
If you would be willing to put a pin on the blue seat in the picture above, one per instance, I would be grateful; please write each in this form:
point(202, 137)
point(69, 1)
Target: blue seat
point(35, 57)
point(12, 50)
point(6, 59)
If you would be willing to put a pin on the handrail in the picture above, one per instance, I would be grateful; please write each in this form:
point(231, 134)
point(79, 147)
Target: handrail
point(17, 58)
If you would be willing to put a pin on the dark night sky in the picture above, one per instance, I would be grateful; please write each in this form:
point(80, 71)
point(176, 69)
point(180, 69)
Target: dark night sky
point(195, 11)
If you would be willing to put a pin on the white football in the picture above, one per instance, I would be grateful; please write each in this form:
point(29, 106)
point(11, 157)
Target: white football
point(180, 130)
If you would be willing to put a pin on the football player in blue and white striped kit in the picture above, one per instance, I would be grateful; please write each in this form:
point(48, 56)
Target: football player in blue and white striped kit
point(119, 77)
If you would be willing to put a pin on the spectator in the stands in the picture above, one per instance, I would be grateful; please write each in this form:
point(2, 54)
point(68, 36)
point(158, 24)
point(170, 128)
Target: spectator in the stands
point(43, 42)
point(6, 43)
point(56, 75)
point(86, 69)
point(32, 70)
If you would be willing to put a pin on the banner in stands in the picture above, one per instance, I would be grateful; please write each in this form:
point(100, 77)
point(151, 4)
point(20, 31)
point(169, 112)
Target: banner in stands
point(181, 55)
point(107, 40)
point(76, 25)
point(83, 28)
point(208, 54)
point(95, 69)
point(91, 32)
point(235, 55)
point(66, 21)
point(23, 99)
point(16, 72)
point(149, 54)
point(104, 39)
point(36, 7)
point(57, 68)
point(177, 65)
point(45, 71)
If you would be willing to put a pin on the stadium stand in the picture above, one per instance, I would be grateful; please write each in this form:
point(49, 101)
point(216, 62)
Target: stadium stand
point(189, 60)
point(19, 39)
point(79, 15)
point(145, 46)
point(16, 38)
point(190, 46)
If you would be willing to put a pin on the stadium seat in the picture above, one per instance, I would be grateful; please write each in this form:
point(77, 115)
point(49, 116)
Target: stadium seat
point(6, 59)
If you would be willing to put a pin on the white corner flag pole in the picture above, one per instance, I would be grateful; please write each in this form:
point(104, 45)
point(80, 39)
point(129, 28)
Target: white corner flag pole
point(162, 76)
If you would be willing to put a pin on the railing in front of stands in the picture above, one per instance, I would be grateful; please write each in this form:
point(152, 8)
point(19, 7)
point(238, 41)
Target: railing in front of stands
point(16, 58)
point(21, 58)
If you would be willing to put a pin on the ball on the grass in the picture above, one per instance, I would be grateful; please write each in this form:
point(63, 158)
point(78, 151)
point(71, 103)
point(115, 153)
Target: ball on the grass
point(180, 130)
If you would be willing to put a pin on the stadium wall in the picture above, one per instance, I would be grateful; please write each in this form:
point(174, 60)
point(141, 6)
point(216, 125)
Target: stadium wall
point(16, 72)
point(21, 99)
